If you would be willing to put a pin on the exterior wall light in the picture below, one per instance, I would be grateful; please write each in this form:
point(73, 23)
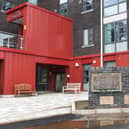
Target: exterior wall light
point(76, 64)
point(68, 75)
point(94, 61)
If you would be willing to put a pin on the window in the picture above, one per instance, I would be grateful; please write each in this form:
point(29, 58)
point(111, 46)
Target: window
point(110, 2)
point(87, 5)
point(115, 37)
point(33, 1)
point(10, 40)
point(88, 37)
point(7, 5)
point(113, 7)
point(86, 69)
point(64, 7)
point(110, 64)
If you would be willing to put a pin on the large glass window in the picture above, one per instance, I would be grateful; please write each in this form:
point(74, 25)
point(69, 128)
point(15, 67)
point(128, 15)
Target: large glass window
point(110, 2)
point(110, 64)
point(64, 7)
point(112, 7)
point(88, 37)
point(87, 5)
point(115, 37)
point(86, 69)
point(6, 5)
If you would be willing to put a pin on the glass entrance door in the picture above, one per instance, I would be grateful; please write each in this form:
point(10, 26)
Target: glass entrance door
point(86, 68)
point(59, 81)
point(42, 78)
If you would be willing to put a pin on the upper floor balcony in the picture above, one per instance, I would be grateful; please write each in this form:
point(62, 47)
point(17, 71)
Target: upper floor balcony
point(10, 40)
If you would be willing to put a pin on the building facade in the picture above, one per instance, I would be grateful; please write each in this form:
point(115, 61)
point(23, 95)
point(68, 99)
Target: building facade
point(88, 40)
point(87, 23)
point(42, 56)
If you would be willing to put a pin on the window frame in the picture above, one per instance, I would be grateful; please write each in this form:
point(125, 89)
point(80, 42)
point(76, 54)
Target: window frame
point(118, 5)
point(117, 37)
point(114, 24)
point(113, 61)
point(86, 75)
point(84, 10)
point(90, 33)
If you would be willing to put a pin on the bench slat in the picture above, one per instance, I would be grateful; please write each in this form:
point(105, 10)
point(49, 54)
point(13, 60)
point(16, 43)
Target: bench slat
point(72, 86)
point(23, 88)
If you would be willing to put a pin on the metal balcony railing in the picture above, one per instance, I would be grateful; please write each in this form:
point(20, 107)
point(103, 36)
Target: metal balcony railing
point(10, 40)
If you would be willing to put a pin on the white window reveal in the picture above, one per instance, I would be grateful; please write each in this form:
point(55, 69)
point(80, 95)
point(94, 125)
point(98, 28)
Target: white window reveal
point(87, 37)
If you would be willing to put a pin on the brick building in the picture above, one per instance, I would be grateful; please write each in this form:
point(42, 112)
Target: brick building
point(88, 41)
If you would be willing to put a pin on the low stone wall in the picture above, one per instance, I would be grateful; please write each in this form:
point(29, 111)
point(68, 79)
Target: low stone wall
point(110, 99)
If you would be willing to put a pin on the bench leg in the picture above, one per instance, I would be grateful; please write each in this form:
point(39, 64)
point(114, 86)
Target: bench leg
point(63, 90)
point(35, 94)
point(18, 93)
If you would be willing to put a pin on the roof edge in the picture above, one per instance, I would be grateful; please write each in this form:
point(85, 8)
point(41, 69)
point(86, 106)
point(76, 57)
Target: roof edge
point(36, 7)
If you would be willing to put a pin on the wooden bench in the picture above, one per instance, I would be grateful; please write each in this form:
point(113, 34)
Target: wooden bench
point(24, 88)
point(72, 87)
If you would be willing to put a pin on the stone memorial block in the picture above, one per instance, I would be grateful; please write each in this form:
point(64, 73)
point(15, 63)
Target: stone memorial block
point(101, 82)
point(126, 99)
point(106, 122)
point(106, 100)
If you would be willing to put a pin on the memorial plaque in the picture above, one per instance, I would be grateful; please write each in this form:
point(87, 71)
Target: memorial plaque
point(101, 82)
point(106, 122)
point(106, 100)
point(126, 99)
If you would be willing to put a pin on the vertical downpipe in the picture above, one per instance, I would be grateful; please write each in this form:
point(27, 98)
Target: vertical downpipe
point(101, 33)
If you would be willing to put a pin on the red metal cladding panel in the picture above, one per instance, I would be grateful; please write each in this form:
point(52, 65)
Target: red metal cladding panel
point(122, 60)
point(65, 34)
point(110, 58)
point(36, 38)
point(1, 55)
point(76, 72)
point(15, 15)
point(86, 61)
point(19, 68)
point(52, 61)
point(47, 34)
point(1, 76)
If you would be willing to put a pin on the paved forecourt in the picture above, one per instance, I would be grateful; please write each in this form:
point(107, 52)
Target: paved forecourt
point(14, 109)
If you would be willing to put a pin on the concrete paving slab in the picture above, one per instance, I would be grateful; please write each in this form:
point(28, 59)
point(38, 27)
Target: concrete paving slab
point(24, 108)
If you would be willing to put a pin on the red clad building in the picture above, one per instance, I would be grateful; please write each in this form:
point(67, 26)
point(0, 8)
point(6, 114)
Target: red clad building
point(43, 53)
